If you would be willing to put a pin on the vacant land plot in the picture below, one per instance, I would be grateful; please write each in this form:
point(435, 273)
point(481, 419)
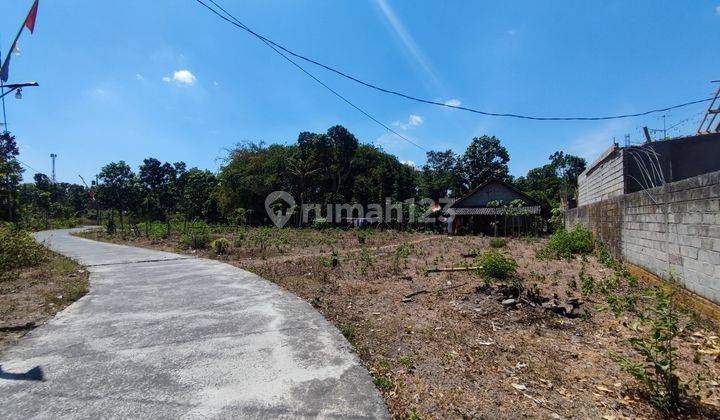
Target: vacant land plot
point(31, 295)
point(542, 343)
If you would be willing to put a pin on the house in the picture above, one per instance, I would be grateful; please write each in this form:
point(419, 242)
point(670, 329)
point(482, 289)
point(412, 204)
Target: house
point(494, 207)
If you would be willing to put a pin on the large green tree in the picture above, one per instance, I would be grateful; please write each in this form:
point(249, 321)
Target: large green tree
point(10, 175)
point(484, 159)
point(441, 175)
point(117, 188)
point(553, 181)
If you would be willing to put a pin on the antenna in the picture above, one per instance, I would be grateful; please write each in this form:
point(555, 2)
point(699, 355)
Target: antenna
point(53, 156)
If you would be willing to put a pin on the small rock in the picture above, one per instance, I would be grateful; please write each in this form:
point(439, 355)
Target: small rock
point(520, 387)
point(509, 302)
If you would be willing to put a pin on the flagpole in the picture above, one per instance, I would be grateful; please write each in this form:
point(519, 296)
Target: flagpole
point(2, 90)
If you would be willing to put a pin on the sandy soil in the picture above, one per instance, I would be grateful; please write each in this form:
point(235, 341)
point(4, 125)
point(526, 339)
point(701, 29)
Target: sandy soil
point(454, 350)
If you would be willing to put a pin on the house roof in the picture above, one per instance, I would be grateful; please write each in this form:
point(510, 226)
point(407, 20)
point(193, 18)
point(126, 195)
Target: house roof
point(528, 200)
point(490, 211)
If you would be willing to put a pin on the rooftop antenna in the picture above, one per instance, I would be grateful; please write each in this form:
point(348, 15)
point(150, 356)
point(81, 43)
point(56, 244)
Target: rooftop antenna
point(706, 126)
point(53, 156)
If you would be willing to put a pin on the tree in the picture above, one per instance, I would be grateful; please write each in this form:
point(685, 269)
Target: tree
point(484, 159)
point(199, 195)
point(116, 189)
point(251, 172)
point(157, 182)
point(441, 175)
point(554, 181)
point(10, 175)
point(343, 145)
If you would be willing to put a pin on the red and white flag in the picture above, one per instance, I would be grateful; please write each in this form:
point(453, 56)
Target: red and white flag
point(30, 24)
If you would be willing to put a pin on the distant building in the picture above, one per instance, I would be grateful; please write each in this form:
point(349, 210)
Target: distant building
point(495, 207)
point(624, 170)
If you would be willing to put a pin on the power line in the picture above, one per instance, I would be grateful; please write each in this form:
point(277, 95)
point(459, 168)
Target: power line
point(28, 166)
point(239, 24)
point(427, 101)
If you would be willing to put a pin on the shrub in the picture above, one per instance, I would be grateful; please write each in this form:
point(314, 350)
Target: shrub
point(196, 239)
point(557, 219)
point(348, 331)
point(221, 246)
point(565, 243)
point(383, 383)
point(402, 253)
point(18, 249)
point(239, 216)
point(260, 237)
point(655, 368)
point(366, 259)
point(498, 242)
point(496, 265)
point(320, 223)
point(362, 236)
point(110, 228)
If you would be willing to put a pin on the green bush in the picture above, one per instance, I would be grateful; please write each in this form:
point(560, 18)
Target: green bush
point(221, 246)
point(565, 243)
point(239, 216)
point(498, 242)
point(320, 223)
point(196, 239)
point(657, 357)
point(110, 227)
point(496, 265)
point(18, 249)
point(362, 236)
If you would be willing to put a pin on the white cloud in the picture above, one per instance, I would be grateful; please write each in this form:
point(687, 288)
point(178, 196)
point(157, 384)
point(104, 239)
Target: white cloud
point(139, 77)
point(215, 83)
point(413, 121)
point(409, 163)
point(717, 10)
point(99, 91)
point(453, 102)
point(181, 77)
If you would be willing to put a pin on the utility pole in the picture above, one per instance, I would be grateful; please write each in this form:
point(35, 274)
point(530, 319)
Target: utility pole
point(706, 125)
point(53, 156)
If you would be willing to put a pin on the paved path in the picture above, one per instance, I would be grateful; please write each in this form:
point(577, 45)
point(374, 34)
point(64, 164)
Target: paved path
point(166, 335)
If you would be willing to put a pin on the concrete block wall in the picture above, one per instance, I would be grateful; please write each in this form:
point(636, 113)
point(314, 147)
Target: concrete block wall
point(672, 231)
point(603, 180)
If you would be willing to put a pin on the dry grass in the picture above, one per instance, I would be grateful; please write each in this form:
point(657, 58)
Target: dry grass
point(454, 350)
point(29, 296)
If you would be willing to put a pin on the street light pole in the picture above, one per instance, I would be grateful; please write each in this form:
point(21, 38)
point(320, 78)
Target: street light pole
point(12, 87)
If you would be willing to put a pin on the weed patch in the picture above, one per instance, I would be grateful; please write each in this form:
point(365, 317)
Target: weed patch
point(566, 243)
point(496, 265)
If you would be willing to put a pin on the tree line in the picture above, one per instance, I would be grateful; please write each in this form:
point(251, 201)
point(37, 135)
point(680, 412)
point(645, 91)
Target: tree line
point(322, 168)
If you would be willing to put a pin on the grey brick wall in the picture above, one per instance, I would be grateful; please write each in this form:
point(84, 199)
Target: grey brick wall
point(672, 231)
point(602, 181)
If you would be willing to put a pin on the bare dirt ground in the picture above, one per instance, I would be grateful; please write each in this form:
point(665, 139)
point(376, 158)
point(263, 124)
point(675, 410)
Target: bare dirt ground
point(29, 296)
point(445, 345)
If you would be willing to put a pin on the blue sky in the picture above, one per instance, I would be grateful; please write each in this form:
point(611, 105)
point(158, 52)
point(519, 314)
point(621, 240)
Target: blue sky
point(164, 78)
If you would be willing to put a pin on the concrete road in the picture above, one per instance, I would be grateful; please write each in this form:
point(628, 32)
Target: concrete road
point(166, 335)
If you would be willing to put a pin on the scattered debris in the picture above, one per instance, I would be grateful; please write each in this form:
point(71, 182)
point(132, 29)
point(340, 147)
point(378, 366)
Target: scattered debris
point(446, 269)
point(408, 297)
point(568, 308)
point(520, 387)
point(509, 302)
